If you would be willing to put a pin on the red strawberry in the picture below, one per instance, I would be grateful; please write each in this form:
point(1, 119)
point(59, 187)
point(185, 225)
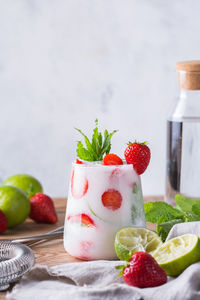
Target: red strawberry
point(84, 219)
point(3, 222)
point(112, 159)
point(42, 209)
point(80, 188)
point(143, 271)
point(85, 247)
point(111, 199)
point(78, 161)
point(138, 154)
point(116, 174)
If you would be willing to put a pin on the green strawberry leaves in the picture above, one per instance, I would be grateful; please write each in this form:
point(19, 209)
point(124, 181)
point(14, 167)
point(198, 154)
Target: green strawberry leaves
point(98, 146)
point(166, 216)
point(121, 268)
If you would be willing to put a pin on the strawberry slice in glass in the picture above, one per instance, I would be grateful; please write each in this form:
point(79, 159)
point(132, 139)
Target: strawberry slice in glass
point(78, 161)
point(83, 219)
point(111, 199)
point(79, 186)
point(85, 247)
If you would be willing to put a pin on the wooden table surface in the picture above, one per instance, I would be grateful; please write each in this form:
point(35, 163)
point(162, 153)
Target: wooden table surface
point(51, 252)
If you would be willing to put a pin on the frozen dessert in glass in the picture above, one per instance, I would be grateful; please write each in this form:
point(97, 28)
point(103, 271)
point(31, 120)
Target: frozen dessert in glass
point(104, 196)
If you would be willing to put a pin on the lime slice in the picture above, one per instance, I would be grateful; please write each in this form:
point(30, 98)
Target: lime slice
point(175, 255)
point(131, 239)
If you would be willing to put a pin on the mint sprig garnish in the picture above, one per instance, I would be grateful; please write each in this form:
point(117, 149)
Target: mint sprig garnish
point(165, 216)
point(97, 147)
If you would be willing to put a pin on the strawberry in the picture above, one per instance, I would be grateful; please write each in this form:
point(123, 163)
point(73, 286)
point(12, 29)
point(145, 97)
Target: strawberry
point(84, 219)
point(138, 154)
point(79, 188)
point(3, 222)
point(78, 161)
point(85, 247)
point(116, 174)
point(111, 199)
point(143, 271)
point(42, 209)
point(112, 159)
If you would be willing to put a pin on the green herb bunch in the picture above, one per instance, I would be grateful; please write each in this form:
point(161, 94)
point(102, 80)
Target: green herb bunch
point(99, 145)
point(165, 216)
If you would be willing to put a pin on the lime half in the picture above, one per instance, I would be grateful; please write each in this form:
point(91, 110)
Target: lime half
point(131, 239)
point(175, 255)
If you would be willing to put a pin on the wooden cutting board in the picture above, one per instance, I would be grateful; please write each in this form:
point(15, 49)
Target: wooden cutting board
point(51, 252)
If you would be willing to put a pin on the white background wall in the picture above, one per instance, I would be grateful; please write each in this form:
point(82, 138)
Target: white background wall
point(64, 63)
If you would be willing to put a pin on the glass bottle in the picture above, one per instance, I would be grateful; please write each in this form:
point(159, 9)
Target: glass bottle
point(183, 136)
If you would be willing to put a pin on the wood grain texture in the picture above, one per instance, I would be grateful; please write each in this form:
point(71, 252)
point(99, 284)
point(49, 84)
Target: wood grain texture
point(51, 252)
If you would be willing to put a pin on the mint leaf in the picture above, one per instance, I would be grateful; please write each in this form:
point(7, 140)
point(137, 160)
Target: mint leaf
point(185, 204)
point(160, 212)
point(187, 210)
point(97, 140)
point(83, 153)
point(191, 217)
point(196, 209)
point(97, 147)
point(135, 188)
point(88, 145)
point(107, 145)
point(164, 228)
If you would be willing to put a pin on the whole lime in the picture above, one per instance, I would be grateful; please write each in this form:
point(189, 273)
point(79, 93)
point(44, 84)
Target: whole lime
point(15, 205)
point(27, 183)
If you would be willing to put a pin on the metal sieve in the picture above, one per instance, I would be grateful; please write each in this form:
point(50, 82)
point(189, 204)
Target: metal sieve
point(15, 261)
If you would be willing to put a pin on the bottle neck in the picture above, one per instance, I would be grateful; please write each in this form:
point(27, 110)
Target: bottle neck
point(190, 94)
point(188, 106)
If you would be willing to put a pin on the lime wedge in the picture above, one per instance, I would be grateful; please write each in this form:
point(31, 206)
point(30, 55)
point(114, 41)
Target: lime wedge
point(132, 239)
point(175, 255)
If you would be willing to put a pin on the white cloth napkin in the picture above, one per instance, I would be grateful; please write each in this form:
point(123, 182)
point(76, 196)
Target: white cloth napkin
point(98, 280)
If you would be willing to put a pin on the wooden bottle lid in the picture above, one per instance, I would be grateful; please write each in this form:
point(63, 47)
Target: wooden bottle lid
point(191, 66)
point(188, 75)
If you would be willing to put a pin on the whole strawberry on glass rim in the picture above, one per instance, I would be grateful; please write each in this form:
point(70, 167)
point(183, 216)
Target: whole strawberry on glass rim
point(138, 154)
point(101, 197)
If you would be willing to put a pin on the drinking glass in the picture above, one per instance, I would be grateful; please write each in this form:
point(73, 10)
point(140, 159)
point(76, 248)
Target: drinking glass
point(101, 200)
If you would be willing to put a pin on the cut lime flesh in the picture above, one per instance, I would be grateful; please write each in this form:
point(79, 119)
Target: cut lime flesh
point(132, 239)
point(175, 255)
